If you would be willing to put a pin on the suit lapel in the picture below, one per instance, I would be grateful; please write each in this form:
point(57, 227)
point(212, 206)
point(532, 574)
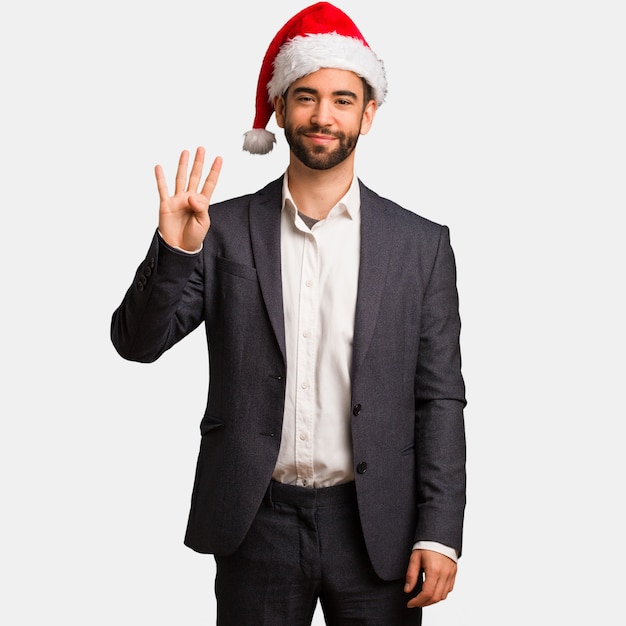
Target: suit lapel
point(265, 211)
point(376, 242)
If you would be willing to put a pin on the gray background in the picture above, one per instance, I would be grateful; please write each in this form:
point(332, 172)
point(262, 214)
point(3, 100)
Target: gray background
point(504, 121)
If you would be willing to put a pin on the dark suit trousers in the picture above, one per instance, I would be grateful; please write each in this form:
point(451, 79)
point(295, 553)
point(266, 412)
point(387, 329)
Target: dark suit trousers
point(304, 545)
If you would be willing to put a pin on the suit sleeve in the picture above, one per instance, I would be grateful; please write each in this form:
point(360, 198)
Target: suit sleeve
point(163, 304)
point(439, 403)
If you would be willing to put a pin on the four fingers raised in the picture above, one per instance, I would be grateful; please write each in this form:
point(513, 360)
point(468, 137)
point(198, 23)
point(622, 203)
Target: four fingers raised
point(182, 185)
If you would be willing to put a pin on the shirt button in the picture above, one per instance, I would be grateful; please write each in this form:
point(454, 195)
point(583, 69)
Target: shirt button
point(306, 334)
point(303, 437)
point(305, 385)
point(309, 283)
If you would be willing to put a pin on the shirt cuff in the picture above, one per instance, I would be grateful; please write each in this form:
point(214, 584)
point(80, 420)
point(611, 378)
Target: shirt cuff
point(437, 547)
point(177, 248)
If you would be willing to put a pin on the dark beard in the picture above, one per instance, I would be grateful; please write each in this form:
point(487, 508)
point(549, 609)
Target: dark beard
point(318, 157)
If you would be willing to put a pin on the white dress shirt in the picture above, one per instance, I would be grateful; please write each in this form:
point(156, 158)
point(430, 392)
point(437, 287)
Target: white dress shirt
point(320, 269)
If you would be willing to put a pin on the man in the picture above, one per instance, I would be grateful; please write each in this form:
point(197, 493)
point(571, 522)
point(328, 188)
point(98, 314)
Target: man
point(332, 454)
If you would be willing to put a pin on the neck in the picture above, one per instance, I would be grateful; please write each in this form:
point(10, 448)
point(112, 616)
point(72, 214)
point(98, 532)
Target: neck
point(316, 192)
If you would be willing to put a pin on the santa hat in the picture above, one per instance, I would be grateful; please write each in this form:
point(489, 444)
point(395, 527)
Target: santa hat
point(320, 36)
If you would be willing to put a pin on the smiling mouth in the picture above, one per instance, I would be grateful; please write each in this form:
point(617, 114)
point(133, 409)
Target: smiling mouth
point(321, 139)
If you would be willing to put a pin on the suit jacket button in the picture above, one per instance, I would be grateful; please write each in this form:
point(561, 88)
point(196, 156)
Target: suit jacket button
point(356, 409)
point(361, 468)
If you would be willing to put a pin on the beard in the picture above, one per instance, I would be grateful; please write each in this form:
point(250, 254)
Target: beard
point(320, 157)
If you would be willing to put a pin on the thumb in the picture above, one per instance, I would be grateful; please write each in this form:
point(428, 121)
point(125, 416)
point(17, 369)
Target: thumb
point(198, 202)
point(413, 571)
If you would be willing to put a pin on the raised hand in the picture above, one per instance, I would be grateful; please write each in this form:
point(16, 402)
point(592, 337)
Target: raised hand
point(184, 217)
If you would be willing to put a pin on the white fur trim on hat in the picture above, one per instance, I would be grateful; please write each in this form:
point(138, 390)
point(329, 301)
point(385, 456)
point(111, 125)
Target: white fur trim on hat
point(304, 55)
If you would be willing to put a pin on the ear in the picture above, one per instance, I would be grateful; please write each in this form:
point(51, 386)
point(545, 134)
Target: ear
point(279, 110)
point(368, 117)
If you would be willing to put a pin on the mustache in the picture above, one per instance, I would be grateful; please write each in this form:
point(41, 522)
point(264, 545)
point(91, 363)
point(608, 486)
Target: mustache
point(319, 130)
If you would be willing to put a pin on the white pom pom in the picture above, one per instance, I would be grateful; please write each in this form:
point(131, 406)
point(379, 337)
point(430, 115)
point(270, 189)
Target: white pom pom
point(259, 141)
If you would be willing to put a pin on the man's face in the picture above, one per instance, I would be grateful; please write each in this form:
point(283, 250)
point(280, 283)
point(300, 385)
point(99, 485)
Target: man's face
point(323, 114)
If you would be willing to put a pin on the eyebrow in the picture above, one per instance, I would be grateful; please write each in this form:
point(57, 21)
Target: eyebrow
point(341, 92)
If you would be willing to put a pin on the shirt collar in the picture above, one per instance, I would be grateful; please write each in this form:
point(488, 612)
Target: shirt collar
point(350, 202)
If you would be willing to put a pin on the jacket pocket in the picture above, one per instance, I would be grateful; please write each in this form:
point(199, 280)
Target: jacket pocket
point(409, 449)
point(235, 269)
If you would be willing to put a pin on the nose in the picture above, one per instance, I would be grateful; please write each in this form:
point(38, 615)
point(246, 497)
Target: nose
point(322, 115)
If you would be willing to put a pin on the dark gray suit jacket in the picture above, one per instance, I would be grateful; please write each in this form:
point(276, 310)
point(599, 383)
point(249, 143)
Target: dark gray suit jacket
point(408, 393)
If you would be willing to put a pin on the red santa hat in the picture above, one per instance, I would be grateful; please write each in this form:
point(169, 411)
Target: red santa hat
point(320, 36)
